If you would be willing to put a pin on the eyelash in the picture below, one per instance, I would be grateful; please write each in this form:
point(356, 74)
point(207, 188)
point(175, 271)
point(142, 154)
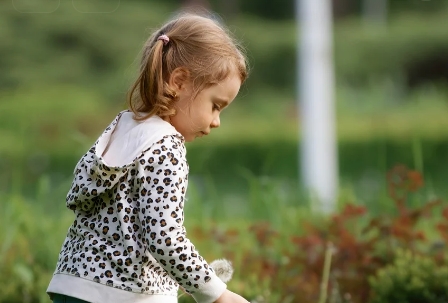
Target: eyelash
point(216, 107)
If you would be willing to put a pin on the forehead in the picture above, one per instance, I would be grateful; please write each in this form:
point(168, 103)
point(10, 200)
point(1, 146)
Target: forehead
point(227, 88)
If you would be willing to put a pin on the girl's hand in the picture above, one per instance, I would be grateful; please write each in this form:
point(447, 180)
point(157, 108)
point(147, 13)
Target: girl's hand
point(230, 297)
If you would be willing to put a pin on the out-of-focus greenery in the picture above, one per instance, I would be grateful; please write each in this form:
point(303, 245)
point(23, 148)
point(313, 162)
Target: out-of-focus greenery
point(68, 72)
point(100, 52)
point(32, 229)
point(65, 75)
point(285, 9)
point(411, 278)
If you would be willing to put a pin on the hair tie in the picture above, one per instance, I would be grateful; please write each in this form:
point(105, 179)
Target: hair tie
point(164, 38)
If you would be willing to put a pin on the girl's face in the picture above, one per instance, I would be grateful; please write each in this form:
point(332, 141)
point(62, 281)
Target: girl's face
point(195, 118)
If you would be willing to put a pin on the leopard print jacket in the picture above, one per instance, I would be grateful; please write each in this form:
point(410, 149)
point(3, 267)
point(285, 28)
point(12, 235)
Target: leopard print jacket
point(128, 232)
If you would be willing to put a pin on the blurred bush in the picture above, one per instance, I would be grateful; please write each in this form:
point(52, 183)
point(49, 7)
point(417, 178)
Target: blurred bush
point(280, 247)
point(284, 9)
point(283, 264)
point(67, 75)
point(409, 51)
point(31, 232)
point(411, 278)
point(69, 47)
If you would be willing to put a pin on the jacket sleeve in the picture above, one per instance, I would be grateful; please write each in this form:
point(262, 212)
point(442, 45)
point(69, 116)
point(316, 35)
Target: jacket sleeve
point(163, 178)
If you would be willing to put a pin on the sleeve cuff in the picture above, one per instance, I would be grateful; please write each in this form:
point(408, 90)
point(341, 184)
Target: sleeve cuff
point(210, 291)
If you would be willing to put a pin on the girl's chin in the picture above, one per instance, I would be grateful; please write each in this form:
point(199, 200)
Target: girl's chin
point(190, 138)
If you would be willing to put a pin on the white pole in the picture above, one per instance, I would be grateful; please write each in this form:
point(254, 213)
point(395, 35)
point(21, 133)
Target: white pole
point(316, 102)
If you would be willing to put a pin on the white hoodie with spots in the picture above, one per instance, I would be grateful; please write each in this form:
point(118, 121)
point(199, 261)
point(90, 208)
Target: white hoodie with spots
point(127, 242)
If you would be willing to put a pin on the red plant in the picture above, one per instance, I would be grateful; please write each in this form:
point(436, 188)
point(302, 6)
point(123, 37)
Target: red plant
point(443, 226)
point(359, 254)
point(362, 243)
point(402, 181)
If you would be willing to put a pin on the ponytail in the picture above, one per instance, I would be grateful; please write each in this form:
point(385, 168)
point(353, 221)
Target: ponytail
point(149, 94)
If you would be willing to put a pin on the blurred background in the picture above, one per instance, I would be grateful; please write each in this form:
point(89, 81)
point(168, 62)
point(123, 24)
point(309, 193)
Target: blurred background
point(65, 70)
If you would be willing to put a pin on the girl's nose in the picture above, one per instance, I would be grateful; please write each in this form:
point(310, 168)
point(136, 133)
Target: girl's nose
point(216, 122)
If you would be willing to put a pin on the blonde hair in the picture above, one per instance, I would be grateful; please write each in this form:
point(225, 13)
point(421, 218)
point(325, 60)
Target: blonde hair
point(198, 44)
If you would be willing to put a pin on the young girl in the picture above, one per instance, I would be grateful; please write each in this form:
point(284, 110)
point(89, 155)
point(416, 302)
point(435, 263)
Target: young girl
point(127, 243)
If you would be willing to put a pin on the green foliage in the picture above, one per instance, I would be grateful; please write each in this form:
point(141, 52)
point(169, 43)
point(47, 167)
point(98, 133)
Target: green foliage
point(48, 117)
point(31, 233)
point(411, 278)
point(101, 50)
point(278, 254)
point(45, 130)
point(363, 54)
point(284, 9)
point(287, 266)
point(94, 50)
point(66, 78)
point(283, 262)
point(396, 45)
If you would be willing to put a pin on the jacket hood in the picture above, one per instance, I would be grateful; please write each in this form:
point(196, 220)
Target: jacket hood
point(92, 177)
point(92, 180)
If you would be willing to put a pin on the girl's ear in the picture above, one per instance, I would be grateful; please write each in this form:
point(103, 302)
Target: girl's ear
point(179, 78)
